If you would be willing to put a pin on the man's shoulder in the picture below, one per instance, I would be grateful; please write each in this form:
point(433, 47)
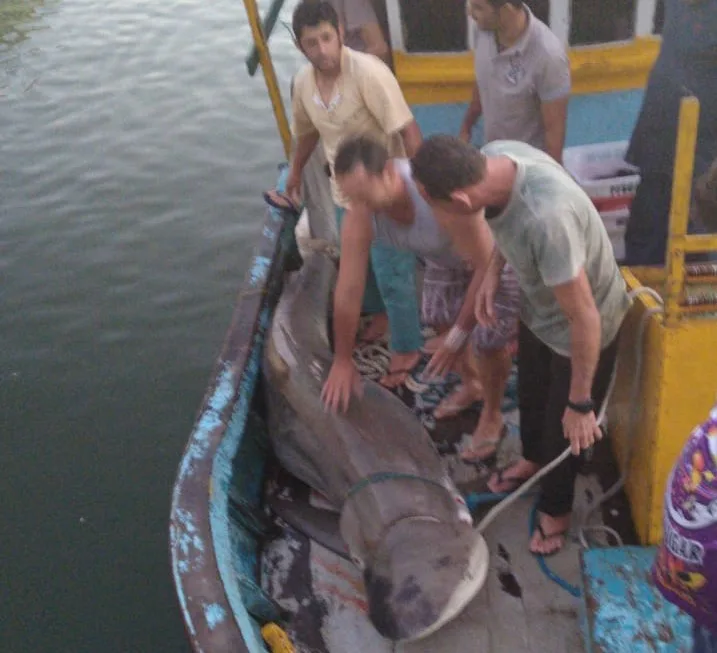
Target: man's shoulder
point(545, 41)
point(365, 64)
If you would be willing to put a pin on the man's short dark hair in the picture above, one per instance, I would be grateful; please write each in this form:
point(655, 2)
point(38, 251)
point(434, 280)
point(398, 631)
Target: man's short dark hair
point(311, 13)
point(360, 150)
point(444, 164)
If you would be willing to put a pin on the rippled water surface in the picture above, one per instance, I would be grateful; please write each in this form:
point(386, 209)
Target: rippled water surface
point(133, 148)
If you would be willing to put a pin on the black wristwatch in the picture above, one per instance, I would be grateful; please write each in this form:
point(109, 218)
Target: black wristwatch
point(582, 407)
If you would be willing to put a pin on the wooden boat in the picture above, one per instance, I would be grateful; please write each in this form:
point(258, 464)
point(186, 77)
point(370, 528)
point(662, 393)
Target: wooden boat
point(247, 581)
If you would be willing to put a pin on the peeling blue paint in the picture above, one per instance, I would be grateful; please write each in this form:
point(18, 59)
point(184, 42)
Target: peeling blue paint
point(199, 440)
point(214, 614)
point(221, 477)
point(259, 270)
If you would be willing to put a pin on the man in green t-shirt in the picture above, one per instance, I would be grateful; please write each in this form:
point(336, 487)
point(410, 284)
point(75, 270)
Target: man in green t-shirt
point(573, 300)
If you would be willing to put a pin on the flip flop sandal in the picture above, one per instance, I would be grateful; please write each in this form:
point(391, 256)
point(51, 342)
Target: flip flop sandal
point(513, 483)
point(546, 538)
point(452, 408)
point(468, 455)
point(288, 206)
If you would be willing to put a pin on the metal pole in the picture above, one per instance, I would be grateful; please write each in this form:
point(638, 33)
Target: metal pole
point(680, 207)
point(267, 67)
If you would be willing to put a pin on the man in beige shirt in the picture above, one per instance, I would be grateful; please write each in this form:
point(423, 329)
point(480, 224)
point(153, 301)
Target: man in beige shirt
point(338, 93)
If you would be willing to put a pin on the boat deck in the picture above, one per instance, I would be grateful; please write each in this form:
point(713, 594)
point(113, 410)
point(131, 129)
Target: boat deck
point(519, 609)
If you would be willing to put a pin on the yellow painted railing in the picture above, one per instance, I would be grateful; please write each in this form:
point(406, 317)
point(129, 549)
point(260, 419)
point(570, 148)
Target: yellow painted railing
point(679, 242)
point(267, 67)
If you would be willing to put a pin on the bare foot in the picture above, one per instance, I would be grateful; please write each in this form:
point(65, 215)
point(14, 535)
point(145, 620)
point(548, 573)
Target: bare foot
point(376, 328)
point(432, 345)
point(486, 439)
point(549, 535)
point(399, 369)
point(462, 398)
point(512, 477)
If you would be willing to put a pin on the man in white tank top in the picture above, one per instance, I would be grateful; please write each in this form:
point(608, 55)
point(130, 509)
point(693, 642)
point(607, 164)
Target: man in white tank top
point(386, 206)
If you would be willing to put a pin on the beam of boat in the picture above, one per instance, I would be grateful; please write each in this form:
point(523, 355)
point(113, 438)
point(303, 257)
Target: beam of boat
point(258, 559)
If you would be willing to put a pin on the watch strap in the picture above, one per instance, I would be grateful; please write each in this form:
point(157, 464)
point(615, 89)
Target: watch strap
point(582, 407)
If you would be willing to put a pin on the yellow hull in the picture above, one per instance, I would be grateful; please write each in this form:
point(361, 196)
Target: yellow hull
point(676, 391)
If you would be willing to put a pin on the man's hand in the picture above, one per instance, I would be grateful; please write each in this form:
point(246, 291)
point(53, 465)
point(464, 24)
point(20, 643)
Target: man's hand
point(582, 430)
point(485, 299)
point(343, 381)
point(442, 361)
point(293, 186)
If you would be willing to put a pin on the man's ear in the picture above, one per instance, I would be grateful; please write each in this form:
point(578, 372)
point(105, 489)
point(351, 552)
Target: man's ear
point(341, 32)
point(460, 198)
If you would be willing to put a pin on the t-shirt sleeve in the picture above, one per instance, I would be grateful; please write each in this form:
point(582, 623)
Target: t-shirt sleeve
point(553, 81)
point(301, 124)
point(383, 96)
point(358, 13)
point(559, 248)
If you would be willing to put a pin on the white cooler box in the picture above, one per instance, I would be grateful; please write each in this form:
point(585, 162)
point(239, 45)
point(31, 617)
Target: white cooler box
point(601, 170)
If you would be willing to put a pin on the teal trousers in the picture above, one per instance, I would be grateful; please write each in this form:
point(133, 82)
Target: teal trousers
point(391, 287)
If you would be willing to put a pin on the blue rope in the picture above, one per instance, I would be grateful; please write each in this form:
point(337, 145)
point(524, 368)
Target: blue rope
point(571, 589)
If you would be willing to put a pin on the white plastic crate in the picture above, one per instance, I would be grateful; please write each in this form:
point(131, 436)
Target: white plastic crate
point(615, 224)
point(601, 170)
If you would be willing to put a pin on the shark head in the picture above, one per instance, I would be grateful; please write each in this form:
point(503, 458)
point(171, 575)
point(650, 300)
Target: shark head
point(422, 575)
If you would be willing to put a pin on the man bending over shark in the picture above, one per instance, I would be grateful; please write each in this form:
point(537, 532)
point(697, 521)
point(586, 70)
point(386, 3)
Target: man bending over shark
point(385, 205)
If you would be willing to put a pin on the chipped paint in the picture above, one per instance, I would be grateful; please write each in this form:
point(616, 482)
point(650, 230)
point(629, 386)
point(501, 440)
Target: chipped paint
point(259, 270)
point(215, 614)
point(210, 419)
point(201, 551)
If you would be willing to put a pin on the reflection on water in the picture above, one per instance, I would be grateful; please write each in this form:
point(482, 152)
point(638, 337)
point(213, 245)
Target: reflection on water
point(133, 149)
point(16, 20)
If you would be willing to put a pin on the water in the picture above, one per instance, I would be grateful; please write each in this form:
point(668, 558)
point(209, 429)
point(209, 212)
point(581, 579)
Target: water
point(133, 148)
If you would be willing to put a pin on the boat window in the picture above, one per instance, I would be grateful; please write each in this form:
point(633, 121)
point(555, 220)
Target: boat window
point(595, 22)
point(434, 25)
point(659, 17)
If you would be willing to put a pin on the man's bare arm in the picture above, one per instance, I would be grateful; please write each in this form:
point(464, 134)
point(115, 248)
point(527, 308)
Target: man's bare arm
point(476, 245)
point(375, 43)
point(304, 147)
point(356, 236)
point(576, 301)
point(412, 138)
point(555, 115)
point(474, 111)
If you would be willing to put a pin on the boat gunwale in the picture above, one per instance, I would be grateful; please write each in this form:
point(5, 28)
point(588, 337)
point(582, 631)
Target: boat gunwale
point(206, 608)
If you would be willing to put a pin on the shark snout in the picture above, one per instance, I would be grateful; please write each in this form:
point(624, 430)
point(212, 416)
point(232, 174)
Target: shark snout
point(422, 575)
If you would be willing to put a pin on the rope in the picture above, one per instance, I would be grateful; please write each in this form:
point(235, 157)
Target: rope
point(382, 477)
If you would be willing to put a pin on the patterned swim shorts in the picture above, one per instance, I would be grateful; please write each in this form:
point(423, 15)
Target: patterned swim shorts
point(444, 290)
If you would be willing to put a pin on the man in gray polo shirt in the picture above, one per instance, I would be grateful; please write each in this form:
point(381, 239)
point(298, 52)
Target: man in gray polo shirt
point(522, 77)
point(522, 88)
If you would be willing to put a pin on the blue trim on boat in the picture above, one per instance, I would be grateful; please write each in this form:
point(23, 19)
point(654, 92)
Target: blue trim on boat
point(213, 565)
point(623, 610)
point(595, 118)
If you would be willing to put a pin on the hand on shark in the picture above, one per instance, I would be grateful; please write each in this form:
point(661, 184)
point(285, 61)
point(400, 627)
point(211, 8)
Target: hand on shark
point(343, 381)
